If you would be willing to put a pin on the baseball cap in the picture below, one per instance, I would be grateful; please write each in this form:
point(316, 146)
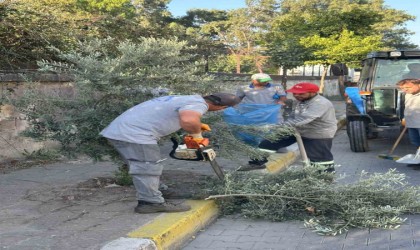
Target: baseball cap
point(223, 99)
point(261, 77)
point(304, 87)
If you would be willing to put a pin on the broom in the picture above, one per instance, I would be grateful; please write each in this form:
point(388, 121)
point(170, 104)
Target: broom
point(389, 156)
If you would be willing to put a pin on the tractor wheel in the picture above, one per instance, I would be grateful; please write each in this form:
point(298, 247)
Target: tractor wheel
point(356, 131)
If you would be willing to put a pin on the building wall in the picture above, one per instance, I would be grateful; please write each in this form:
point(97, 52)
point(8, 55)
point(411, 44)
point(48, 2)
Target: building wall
point(331, 87)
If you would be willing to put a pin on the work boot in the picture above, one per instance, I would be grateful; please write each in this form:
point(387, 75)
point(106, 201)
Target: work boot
point(328, 167)
point(145, 207)
point(167, 192)
point(250, 167)
point(413, 166)
point(254, 165)
point(258, 162)
point(282, 150)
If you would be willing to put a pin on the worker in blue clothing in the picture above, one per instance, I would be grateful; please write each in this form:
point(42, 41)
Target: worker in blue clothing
point(261, 91)
point(261, 95)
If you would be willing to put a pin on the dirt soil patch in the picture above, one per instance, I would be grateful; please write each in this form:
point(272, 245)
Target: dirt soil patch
point(185, 184)
point(104, 191)
point(181, 184)
point(15, 165)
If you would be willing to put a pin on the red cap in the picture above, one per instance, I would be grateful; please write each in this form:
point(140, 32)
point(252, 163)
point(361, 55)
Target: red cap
point(304, 87)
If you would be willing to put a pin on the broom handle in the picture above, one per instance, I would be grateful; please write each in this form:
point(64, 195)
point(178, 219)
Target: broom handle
point(398, 140)
point(302, 150)
point(417, 156)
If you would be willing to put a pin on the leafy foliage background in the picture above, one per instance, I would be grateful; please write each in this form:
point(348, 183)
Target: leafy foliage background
point(108, 80)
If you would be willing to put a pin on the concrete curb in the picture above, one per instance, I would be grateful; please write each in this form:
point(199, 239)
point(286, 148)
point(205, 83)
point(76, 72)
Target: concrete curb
point(130, 244)
point(279, 162)
point(341, 122)
point(170, 230)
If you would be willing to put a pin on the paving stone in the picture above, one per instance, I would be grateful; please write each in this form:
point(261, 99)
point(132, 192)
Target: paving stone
point(401, 233)
point(233, 245)
point(401, 244)
point(258, 239)
point(234, 232)
point(200, 243)
point(222, 238)
point(274, 246)
point(332, 246)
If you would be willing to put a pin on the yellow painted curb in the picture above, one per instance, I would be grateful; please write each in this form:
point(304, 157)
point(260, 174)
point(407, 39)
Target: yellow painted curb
point(341, 123)
point(171, 230)
point(279, 162)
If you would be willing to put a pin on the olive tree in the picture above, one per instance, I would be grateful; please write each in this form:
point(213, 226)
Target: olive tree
point(107, 81)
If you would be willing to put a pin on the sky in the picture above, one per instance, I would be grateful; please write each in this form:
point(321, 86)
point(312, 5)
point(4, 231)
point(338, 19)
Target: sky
point(180, 7)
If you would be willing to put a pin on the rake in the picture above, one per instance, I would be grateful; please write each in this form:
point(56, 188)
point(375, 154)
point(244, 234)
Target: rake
point(390, 155)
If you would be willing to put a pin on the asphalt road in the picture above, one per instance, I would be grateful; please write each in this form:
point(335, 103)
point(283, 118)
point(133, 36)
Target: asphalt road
point(352, 164)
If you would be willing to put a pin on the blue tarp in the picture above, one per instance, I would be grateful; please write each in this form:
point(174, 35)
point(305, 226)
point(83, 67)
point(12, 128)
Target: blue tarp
point(251, 114)
point(354, 95)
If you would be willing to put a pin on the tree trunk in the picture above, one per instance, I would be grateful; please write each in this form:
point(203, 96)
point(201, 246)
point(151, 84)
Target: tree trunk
point(284, 78)
point(341, 86)
point(321, 85)
point(238, 63)
point(206, 65)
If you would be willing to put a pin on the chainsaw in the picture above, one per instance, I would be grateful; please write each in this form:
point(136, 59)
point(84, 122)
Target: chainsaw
point(190, 150)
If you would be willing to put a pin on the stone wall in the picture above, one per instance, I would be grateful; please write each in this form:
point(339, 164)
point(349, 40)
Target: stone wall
point(12, 123)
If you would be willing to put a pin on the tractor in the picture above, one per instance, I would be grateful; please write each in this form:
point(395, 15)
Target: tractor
point(376, 104)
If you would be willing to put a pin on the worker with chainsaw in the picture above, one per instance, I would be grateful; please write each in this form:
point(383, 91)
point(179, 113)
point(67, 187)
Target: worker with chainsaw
point(314, 118)
point(411, 120)
point(136, 132)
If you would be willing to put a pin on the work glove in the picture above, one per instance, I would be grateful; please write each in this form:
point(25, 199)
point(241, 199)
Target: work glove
point(205, 127)
point(196, 137)
point(203, 142)
point(403, 122)
point(195, 141)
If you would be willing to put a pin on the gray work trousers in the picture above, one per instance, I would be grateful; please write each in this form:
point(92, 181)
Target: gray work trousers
point(144, 161)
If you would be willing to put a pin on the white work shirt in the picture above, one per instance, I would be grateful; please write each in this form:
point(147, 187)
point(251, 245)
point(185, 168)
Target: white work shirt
point(149, 121)
point(412, 110)
point(315, 118)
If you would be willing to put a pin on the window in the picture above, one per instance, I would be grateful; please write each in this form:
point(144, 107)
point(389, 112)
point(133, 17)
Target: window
point(389, 72)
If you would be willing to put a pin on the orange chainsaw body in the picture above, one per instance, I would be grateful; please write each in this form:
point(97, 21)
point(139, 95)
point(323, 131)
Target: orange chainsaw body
point(192, 144)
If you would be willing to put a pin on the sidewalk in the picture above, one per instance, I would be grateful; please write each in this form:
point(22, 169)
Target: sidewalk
point(54, 207)
point(43, 208)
